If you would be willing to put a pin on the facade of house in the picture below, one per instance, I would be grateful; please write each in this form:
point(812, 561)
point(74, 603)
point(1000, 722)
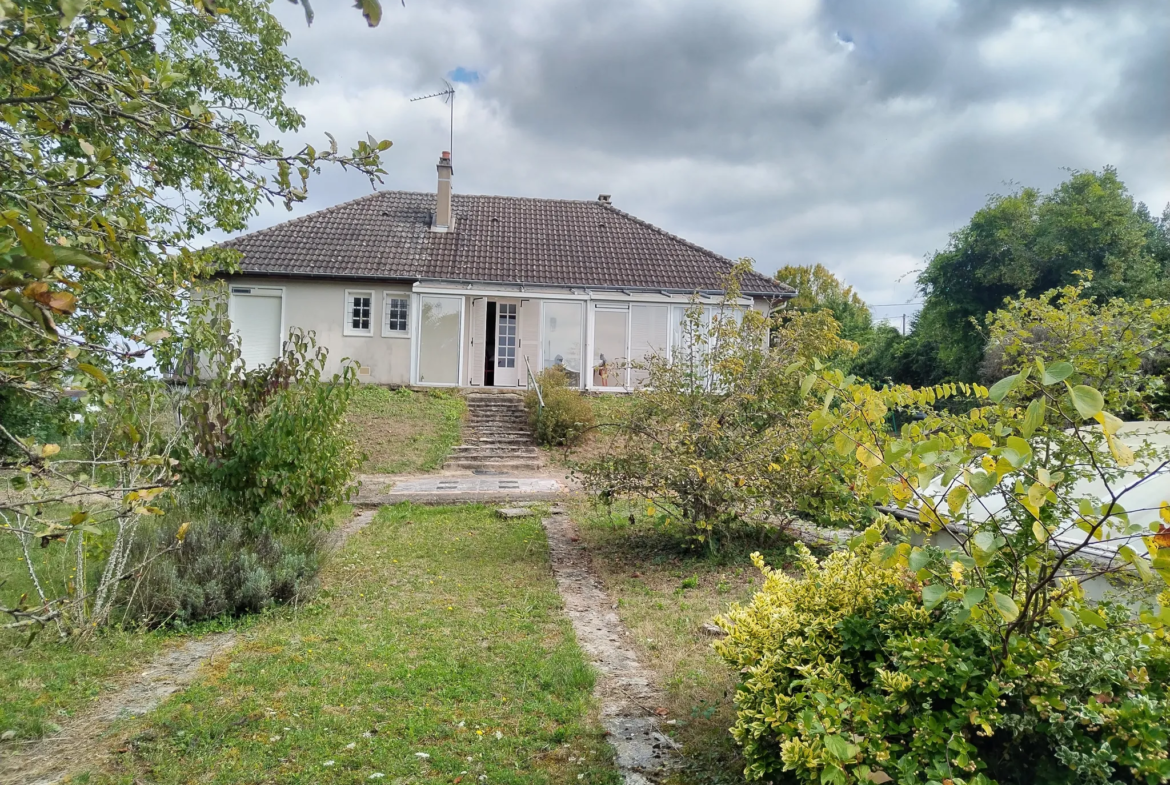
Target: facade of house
point(473, 291)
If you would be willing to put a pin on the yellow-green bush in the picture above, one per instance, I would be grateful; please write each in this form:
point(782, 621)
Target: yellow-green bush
point(847, 677)
point(566, 414)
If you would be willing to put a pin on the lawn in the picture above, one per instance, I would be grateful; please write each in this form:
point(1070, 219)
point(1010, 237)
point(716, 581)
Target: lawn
point(437, 652)
point(404, 431)
point(664, 595)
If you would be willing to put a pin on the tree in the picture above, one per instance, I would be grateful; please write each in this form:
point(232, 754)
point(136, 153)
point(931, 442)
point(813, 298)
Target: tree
point(127, 132)
point(704, 440)
point(1030, 242)
point(819, 289)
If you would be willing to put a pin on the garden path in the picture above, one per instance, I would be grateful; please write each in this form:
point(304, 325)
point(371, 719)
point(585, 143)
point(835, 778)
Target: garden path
point(626, 689)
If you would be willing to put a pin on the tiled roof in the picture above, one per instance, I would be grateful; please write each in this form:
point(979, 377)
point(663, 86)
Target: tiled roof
point(496, 239)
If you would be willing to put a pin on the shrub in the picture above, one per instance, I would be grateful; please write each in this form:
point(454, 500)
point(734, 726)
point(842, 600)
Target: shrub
point(983, 661)
point(709, 440)
point(566, 414)
point(271, 440)
point(224, 567)
point(850, 678)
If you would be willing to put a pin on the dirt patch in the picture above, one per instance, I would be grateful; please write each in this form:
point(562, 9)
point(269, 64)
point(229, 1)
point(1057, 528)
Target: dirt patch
point(82, 742)
point(630, 699)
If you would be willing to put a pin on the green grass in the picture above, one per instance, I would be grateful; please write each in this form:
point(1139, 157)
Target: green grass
point(47, 682)
point(403, 431)
point(439, 632)
point(665, 592)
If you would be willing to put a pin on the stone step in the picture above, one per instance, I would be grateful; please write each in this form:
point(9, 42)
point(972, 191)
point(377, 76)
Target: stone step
point(464, 450)
point(495, 466)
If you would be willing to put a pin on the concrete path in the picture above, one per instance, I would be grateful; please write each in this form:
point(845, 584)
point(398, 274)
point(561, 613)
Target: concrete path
point(626, 689)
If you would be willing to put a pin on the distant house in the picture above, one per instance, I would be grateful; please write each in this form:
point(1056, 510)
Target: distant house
point(469, 291)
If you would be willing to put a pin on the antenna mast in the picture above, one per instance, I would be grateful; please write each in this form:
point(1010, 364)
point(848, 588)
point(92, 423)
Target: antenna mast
point(448, 96)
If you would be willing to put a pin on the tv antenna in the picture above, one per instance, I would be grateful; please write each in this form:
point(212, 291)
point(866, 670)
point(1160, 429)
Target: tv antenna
point(448, 96)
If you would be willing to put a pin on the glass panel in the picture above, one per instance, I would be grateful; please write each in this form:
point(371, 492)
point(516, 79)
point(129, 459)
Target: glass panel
point(688, 337)
point(438, 349)
point(397, 311)
point(563, 326)
point(506, 336)
point(610, 334)
point(359, 312)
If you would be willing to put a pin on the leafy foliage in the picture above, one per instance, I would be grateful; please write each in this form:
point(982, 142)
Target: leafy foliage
point(852, 672)
point(1032, 242)
point(566, 414)
point(270, 441)
point(705, 442)
point(977, 656)
point(1115, 343)
point(225, 567)
point(818, 289)
point(129, 131)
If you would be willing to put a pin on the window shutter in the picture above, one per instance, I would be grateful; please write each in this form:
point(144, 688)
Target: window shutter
point(478, 339)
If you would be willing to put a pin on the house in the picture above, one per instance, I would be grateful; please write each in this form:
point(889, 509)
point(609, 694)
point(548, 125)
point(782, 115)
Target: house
point(456, 290)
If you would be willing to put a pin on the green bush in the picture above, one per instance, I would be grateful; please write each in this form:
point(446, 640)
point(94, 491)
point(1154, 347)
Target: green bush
point(849, 678)
point(566, 414)
point(224, 567)
point(271, 440)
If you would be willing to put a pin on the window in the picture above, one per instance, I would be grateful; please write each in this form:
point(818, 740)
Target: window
point(506, 336)
point(395, 314)
point(358, 307)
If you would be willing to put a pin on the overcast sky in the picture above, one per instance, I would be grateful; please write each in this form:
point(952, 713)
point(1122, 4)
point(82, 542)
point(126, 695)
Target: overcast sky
point(854, 133)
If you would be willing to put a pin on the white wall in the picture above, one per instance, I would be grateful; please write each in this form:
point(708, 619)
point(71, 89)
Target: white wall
point(320, 306)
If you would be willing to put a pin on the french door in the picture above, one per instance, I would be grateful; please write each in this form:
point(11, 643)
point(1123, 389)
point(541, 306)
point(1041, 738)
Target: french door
point(507, 370)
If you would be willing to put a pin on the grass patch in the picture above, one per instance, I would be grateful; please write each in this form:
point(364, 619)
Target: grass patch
point(437, 652)
point(49, 681)
point(608, 408)
point(665, 592)
point(403, 431)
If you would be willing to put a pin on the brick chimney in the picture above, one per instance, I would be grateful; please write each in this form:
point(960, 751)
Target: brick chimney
point(444, 217)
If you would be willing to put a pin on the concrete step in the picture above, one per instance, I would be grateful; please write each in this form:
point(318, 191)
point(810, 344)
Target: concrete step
point(495, 466)
point(464, 450)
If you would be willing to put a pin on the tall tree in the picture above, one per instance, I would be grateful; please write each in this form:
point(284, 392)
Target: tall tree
point(127, 131)
point(818, 289)
point(1031, 242)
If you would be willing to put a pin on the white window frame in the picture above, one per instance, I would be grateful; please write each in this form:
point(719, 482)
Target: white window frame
point(611, 307)
point(347, 327)
point(387, 296)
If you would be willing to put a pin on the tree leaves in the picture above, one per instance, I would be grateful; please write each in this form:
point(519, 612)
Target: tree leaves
point(840, 748)
point(1034, 417)
point(973, 597)
point(1087, 400)
point(371, 10)
point(94, 372)
point(1006, 606)
point(932, 595)
point(70, 9)
point(1057, 372)
point(1000, 389)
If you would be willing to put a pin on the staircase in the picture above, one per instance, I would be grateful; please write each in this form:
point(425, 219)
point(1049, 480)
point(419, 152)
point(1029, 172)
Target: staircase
point(497, 437)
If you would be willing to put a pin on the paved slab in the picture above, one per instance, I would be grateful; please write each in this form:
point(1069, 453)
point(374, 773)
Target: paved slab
point(447, 489)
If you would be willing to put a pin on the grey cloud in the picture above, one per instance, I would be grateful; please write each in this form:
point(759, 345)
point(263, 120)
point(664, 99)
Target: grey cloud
point(750, 127)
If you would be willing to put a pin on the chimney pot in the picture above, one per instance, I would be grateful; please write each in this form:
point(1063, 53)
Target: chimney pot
point(603, 198)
